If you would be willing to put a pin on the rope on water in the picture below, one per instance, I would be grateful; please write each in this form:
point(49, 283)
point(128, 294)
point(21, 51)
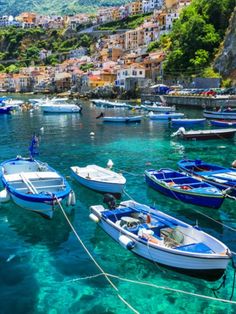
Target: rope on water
point(143, 283)
point(130, 173)
point(92, 258)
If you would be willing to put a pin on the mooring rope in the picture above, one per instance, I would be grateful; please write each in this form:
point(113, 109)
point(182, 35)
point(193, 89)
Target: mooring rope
point(95, 262)
point(130, 173)
point(152, 285)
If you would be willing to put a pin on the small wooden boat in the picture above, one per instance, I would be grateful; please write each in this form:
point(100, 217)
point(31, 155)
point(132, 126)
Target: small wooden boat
point(184, 187)
point(223, 123)
point(34, 185)
point(109, 104)
point(187, 122)
point(119, 119)
point(99, 179)
point(165, 116)
point(161, 238)
point(158, 108)
point(225, 114)
point(204, 134)
point(221, 177)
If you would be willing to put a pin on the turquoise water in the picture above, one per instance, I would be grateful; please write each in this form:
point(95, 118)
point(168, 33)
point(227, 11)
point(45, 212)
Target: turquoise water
point(43, 267)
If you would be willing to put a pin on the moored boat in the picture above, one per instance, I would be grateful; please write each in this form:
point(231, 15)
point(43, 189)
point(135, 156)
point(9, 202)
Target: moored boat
point(204, 134)
point(165, 116)
point(187, 122)
point(161, 238)
point(99, 179)
point(5, 109)
point(33, 185)
point(226, 114)
point(223, 123)
point(184, 188)
point(119, 119)
point(158, 108)
point(221, 177)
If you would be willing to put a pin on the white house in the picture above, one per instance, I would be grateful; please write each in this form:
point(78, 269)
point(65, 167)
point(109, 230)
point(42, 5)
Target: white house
point(131, 71)
point(151, 5)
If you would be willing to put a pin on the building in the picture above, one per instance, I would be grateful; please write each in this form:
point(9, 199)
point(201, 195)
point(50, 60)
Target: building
point(129, 71)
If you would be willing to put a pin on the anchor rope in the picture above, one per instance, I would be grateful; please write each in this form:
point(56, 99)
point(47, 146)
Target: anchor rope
point(152, 285)
point(130, 173)
point(95, 262)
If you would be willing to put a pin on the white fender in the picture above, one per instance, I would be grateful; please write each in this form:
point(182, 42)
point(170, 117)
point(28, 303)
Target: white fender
point(181, 130)
point(110, 164)
point(94, 218)
point(4, 196)
point(73, 198)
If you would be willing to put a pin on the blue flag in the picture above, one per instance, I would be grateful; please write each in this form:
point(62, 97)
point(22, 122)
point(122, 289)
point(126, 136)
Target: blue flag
point(34, 146)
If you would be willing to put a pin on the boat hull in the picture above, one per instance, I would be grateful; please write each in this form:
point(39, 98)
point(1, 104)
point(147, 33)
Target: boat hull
point(166, 117)
point(203, 267)
point(220, 115)
point(186, 196)
point(187, 122)
point(102, 187)
point(122, 119)
point(61, 109)
point(223, 124)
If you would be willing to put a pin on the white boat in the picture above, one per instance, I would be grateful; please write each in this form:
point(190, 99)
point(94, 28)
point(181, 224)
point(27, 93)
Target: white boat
point(165, 116)
point(33, 185)
point(158, 108)
point(161, 238)
point(109, 104)
point(59, 105)
point(99, 179)
point(13, 103)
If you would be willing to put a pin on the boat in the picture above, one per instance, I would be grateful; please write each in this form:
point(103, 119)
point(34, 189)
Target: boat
point(33, 185)
point(165, 116)
point(187, 122)
point(161, 238)
point(223, 123)
point(158, 107)
point(99, 179)
point(119, 119)
point(109, 104)
point(204, 134)
point(58, 105)
point(5, 109)
point(184, 188)
point(221, 177)
point(226, 114)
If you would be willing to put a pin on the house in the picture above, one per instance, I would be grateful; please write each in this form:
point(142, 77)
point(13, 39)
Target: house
point(152, 64)
point(95, 81)
point(134, 38)
point(129, 71)
point(22, 82)
point(62, 81)
point(151, 5)
point(151, 32)
point(135, 8)
point(27, 18)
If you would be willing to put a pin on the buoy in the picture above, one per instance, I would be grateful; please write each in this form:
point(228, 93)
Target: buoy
point(4, 196)
point(94, 218)
point(234, 164)
point(110, 164)
point(68, 203)
point(126, 242)
point(42, 129)
point(73, 198)
point(92, 133)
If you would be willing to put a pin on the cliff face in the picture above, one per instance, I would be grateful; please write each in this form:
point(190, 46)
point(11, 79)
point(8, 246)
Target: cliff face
point(225, 62)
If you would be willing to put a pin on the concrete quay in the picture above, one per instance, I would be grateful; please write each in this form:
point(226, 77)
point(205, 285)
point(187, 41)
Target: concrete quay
point(194, 101)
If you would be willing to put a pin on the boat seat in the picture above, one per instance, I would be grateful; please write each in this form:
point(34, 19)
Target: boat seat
point(195, 247)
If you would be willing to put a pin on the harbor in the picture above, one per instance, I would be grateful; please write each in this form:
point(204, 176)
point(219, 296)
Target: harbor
point(42, 260)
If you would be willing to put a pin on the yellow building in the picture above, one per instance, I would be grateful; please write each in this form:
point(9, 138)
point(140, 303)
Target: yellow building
point(96, 81)
point(170, 3)
point(136, 7)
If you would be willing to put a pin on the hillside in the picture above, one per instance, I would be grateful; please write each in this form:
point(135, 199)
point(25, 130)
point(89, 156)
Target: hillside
point(225, 62)
point(15, 7)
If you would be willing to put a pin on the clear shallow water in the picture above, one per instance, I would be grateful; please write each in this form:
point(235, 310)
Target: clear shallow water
point(40, 259)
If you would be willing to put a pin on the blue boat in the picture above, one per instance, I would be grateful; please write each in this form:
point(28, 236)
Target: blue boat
point(33, 185)
point(223, 123)
point(184, 187)
point(221, 177)
point(187, 122)
point(5, 110)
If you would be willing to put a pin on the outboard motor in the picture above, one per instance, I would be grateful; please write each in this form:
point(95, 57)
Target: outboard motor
point(110, 201)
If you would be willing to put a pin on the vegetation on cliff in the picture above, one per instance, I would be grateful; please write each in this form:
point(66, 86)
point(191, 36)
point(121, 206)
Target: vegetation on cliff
point(196, 37)
point(22, 47)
